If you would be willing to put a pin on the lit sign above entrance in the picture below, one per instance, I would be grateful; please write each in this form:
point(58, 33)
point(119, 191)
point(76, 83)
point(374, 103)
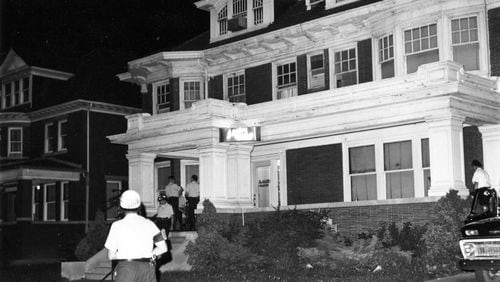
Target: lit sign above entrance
point(239, 134)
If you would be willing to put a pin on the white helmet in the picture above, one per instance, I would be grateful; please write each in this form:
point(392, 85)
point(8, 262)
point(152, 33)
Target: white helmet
point(130, 200)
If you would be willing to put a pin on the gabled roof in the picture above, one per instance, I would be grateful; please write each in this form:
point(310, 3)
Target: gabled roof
point(44, 59)
point(287, 13)
point(13, 62)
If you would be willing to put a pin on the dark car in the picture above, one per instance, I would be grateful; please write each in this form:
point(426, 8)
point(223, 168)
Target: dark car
point(480, 244)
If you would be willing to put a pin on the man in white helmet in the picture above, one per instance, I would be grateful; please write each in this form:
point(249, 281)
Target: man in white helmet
point(134, 242)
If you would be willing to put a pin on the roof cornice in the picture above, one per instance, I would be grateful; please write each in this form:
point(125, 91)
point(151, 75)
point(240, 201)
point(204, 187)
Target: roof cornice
point(80, 104)
point(50, 73)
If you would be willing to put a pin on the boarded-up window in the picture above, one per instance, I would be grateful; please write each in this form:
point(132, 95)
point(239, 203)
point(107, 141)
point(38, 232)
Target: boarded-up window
point(314, 175)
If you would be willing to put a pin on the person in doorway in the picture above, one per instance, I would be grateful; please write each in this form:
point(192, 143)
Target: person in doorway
point(163, 217)
point(193, 198)
point(134, 242)
point(481, 178)
point(173, 192)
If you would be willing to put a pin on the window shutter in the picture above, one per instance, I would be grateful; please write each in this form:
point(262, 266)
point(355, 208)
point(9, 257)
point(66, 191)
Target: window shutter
point(174, 94)
point(494, 29)
point(365, 60)
point(327, 69)
point(302, 74)
point(215, 88)
point(4, 131)
point(258, 84)
point(147, 100)
point(315, 175)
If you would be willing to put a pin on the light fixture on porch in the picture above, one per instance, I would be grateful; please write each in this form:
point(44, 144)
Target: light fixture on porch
point(239, 132)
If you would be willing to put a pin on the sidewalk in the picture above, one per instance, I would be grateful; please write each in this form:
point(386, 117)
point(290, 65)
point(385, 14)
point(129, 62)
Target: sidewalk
point(462, 277)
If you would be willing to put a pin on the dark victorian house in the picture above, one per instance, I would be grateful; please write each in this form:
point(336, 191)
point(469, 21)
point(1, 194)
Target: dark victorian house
point(56, 166)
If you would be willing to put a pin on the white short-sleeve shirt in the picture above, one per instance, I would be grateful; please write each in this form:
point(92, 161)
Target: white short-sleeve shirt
point(193, 189)
point(165, 211)
point(482, 178)
point(132, 237)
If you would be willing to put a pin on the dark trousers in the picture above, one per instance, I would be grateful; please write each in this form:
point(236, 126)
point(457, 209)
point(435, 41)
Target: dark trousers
point(174, 202)
point(192, 203)
point(135, 271)
point(163, 223)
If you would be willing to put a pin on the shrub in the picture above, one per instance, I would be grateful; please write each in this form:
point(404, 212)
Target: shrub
point(213, 252)
point(443, 234)
point(95, 238)
point(277, 236)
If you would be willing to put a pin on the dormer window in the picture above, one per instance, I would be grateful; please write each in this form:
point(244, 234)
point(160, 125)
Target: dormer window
point(239, 8)
point(258, 11)
point(222, 20)
point(15, 92)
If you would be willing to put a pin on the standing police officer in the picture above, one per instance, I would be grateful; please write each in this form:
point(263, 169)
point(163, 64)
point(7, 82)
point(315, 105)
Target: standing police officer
point(134, 242)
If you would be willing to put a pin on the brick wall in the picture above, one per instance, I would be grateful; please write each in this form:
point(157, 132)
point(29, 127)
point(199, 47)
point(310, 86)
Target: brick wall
point(357, 219)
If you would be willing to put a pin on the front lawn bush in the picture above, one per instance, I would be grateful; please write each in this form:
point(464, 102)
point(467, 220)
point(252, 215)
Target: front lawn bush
point(443, 234)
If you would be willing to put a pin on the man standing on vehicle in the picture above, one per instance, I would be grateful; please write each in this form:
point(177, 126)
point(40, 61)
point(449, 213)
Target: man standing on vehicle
point(134, 242)
point(480, 179)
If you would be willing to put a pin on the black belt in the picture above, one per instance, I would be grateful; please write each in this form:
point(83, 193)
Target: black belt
point(138, 259)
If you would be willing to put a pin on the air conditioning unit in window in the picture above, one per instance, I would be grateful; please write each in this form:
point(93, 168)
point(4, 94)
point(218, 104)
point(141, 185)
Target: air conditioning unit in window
point(237, 23)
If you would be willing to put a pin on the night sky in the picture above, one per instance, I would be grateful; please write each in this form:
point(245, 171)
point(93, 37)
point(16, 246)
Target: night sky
point(96, 38)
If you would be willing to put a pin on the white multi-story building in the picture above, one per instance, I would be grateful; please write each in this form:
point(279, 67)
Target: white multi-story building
point(325, 103)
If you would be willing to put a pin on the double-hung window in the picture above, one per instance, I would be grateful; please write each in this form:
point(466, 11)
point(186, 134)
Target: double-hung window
point(398, 170)
point(465, 42)
point(192, 93)
point(386, 56)
point(236, 88)
point(8, 95)
point(62, 134)
point(362, 173)
point(49, 202)
point(17, 92)
point(64, 200)
point(426, 164)
point(239, 8)
point(421, 46)
point(258, 12)
point(316, 66)
point(163, 97)
point(50, 137)
point(346, 72)
point(15, 141)
point(37, 203)
point(222, 20)
point(286, 80)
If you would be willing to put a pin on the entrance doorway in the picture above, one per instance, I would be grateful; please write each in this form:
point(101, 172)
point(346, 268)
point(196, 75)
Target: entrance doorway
point(188, 168)
point(263, 181)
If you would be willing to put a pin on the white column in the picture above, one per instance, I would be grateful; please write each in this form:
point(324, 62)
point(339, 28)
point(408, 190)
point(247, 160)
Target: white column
point(213, 174)
point(141, 177)
point(446, 154)
point(239, 189)
point(491, 152)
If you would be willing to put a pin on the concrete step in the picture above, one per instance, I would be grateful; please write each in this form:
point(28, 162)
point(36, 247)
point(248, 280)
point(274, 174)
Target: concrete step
point(96, 276)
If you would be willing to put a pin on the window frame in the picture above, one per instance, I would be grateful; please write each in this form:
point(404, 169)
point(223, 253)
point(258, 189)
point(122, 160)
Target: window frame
point(374, 172)
point(333, 75)
point(60, 136)
point(63, 215)
point(309, 70)
point(420, 25)
point(11, 85)
point(276, 87)
point(182, 102)
point(242, 4)
point(222, 21)
point(10, 153)
point(156, 97)
point(258, 11)
point(46, 202)
point(477, 41)
point(34, 203)
point(387, 171)
point(380, 48)
point(226, 78)
point(46, 138)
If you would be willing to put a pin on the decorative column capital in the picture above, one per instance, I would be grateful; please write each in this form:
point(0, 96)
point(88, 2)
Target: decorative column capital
point(140, 157)
point(214, 148)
